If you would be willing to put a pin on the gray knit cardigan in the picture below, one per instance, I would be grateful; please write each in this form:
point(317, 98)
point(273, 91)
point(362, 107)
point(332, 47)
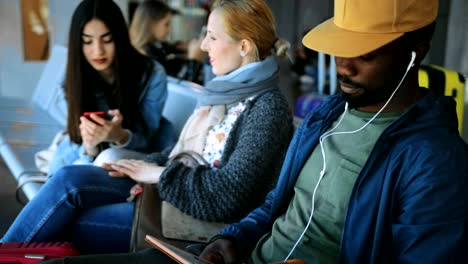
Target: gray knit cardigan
point(249, 167)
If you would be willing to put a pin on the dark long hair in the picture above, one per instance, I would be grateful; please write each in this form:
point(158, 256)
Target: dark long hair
point(82, 79)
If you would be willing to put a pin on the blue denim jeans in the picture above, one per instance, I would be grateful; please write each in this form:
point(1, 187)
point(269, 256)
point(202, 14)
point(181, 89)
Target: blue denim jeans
point(81, 204)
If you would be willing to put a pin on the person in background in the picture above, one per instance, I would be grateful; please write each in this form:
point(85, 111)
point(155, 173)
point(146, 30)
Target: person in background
point(305, 60)
point(105, 73)
point(149, 30)
point(377, 174)
point(242, 128)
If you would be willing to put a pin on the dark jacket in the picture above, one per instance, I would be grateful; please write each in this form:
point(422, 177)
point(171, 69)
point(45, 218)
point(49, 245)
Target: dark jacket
point(410, 201)
point(249, 168)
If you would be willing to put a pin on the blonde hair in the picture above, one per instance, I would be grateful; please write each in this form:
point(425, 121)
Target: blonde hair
point(146, 14)
point(254, 21)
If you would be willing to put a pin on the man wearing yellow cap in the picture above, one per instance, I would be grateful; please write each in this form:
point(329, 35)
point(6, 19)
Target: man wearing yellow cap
point(377, 174)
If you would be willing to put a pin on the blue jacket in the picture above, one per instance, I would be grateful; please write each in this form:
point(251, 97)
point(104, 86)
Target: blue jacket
point(157, 135)
point(410, 201)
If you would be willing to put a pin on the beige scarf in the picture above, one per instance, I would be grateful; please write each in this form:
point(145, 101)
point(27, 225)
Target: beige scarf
point(195, 131)
point(174, 223)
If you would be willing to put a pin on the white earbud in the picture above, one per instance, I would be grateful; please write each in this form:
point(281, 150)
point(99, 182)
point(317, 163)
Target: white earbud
point(413, 58)
point(242, 53)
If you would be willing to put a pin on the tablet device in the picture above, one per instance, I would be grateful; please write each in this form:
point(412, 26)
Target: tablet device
point(179, 255)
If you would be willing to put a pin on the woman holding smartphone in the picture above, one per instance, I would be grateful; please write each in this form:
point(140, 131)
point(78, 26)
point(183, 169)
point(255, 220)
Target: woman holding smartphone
point(105, 73)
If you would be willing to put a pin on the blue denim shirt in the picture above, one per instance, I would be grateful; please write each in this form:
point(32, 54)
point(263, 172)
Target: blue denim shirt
point(157, 135)
point(409, 203)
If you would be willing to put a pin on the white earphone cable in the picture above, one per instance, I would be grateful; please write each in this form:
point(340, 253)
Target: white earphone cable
point(331, 133)
point(322, 173)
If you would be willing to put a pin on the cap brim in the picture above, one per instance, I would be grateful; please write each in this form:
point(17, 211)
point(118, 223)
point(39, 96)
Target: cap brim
point(330, 39)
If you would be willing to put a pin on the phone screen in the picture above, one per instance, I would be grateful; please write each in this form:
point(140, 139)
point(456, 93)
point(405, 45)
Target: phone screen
point(100, 114)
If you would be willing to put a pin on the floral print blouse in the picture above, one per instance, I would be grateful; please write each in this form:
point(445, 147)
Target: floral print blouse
point(217, 135)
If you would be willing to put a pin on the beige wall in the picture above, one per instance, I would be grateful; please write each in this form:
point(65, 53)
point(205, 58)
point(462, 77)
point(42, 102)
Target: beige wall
point(16, 77)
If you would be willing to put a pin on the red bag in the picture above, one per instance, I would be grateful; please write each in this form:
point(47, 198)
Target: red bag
point(35, 252)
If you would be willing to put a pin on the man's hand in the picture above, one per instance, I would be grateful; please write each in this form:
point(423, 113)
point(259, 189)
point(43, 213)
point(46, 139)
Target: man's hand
point(220, 251)
point(138, 170)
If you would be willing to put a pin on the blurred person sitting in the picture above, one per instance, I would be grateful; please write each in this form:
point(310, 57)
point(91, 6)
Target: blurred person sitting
point(149, 30)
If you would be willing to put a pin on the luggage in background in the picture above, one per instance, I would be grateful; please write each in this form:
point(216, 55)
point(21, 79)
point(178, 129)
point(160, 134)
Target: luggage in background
point(317, 83)
point(305, 104)
point(445, 82)
point(35, 252)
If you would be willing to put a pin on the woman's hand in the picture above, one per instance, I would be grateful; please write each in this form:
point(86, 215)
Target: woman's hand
point(89, 141)
point(138, 170)
point(220, 251)
point(97, 130)
point(115, 131)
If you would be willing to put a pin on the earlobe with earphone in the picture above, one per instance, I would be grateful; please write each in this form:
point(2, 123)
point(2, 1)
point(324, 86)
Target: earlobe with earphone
point(331, 133)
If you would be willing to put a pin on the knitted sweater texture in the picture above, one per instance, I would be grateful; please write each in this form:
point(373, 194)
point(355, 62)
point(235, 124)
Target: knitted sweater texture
point(250, 165)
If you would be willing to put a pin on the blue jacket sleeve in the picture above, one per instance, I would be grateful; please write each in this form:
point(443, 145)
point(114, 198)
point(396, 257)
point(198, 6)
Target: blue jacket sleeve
point(257, 223)
point(430, 221)
point(151, 103)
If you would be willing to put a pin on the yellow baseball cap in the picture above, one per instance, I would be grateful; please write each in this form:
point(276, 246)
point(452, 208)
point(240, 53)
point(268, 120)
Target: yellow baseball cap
point(361, 26)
